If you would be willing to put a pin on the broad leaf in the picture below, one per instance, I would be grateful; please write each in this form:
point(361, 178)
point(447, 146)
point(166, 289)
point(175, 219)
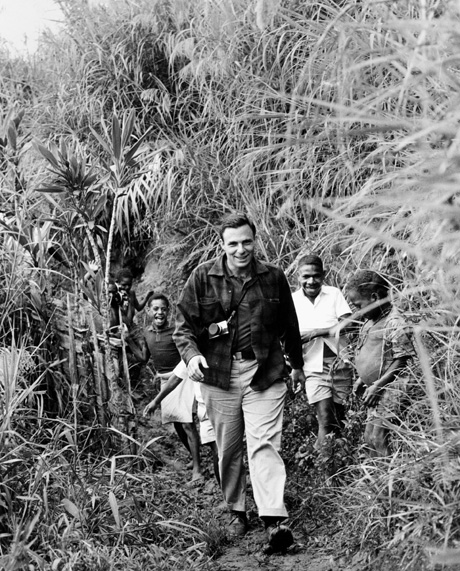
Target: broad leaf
point(116, 138)
point(48, 155)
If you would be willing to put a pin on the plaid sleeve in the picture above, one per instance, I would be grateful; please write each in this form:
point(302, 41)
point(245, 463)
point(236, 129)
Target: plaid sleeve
point(188, 316)
point(289, 329)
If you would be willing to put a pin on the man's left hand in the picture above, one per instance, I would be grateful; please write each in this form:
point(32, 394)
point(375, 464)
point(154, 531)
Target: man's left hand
point(298, 379)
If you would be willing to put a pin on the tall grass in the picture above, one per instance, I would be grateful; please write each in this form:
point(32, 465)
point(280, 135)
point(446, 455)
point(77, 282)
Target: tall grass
point(335, 126)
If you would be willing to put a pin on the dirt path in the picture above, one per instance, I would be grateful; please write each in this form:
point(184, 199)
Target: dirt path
point(299, 559)
point(315, 553)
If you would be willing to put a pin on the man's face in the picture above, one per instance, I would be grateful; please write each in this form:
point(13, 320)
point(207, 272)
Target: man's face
point(238, 244)
point(158, 310)
point(311, 279)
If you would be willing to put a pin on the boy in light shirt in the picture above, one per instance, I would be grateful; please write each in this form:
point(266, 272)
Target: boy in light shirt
point(320, 308)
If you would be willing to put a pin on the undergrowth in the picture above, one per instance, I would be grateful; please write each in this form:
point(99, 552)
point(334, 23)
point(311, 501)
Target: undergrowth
point(335, 126)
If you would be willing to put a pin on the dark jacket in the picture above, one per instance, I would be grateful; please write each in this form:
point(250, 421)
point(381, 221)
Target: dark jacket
point(207, 298)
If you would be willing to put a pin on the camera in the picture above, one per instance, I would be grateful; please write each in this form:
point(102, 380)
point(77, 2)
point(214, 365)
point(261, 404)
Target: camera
point(118, 296)
point(217, 329)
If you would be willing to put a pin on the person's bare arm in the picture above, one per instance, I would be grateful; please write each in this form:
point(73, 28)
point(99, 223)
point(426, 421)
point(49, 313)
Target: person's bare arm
point(138, 347)
point(173, 382)
point(341, 327)
point(139, 306)
point(373, 393)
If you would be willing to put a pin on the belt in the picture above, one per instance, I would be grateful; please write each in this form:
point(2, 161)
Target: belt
point(244, 354)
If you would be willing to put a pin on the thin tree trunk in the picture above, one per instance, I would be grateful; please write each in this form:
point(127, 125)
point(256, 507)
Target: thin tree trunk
point(72, 366)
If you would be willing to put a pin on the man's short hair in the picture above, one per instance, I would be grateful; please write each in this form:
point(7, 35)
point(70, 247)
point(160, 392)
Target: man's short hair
point(367, 282)
point(236, 220)
point(311, 260)
point(158, 296)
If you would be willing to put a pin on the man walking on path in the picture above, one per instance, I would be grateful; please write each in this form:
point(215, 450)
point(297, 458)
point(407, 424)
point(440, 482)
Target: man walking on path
point(233, 313)
point(329, 378)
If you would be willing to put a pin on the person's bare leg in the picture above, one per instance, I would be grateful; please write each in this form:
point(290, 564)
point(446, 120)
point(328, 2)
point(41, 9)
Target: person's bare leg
point(215, 460)
point(326, 419)
point(339, 419)
point(325, 413)
point(194, 447)
point(369, 439)
point(380, 438)
point(182, 434)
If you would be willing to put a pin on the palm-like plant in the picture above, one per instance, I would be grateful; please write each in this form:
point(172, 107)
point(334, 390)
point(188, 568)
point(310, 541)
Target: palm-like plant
point(77, 182)
point(121, 166)
point(81, 187)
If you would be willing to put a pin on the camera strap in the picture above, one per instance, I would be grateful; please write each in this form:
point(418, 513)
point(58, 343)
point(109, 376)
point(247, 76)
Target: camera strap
point(233, 312)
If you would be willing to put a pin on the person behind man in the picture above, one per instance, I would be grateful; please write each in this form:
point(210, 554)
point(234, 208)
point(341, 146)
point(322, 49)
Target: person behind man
point(207, 436)
point(329, 378)
point(124, 299)
point(176, 407)
point(233, 313)
point(382, 355)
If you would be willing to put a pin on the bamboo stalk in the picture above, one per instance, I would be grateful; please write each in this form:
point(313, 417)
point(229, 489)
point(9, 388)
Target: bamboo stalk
point(130, 409)
point(100, 387)
point(72, 364)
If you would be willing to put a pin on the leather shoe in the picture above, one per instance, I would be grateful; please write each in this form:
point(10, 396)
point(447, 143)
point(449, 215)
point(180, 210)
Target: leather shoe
point(238, 525)
point(279, 539)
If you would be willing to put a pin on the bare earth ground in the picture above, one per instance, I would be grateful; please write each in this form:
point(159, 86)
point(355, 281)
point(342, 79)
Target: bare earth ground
point(313, 551)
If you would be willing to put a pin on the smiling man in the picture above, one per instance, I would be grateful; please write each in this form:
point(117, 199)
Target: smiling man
point(319, 309)
point(233, 313)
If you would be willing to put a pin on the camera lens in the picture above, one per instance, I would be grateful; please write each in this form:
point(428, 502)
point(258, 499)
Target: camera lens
point(214, 329)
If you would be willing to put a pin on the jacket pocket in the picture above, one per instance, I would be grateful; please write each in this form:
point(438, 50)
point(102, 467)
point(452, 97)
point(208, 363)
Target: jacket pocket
point(270, 311)
point(211, 310)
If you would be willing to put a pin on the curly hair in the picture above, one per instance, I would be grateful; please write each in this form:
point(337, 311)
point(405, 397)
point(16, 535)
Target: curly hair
point(124, 273)
point(158, 296)
point(311, 260)
point(367, 282)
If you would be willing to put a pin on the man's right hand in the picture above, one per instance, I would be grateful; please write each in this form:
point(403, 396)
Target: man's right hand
point(195, 366)
point(359, 387)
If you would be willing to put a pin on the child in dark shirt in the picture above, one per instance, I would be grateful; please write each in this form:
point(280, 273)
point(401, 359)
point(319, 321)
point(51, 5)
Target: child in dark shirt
point(177, 407)
point(384, 349)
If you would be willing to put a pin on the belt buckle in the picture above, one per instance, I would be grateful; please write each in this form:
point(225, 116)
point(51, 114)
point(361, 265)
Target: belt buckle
point(238, 355)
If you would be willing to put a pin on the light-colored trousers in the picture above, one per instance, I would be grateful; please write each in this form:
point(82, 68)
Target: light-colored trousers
point(261, 414)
